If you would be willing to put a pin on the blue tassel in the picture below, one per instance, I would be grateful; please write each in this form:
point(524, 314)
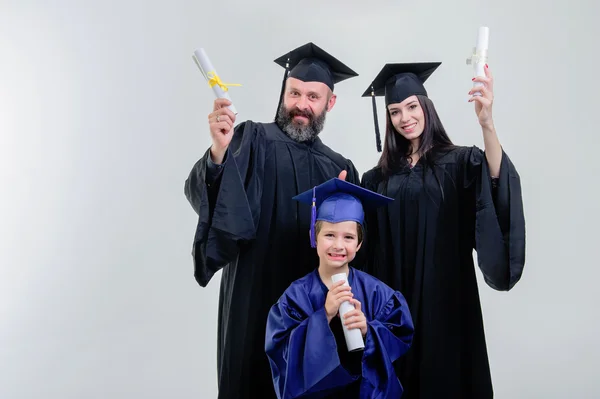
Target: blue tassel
point(313, 220)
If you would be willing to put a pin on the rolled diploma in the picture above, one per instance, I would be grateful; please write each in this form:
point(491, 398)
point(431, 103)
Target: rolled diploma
point(481, 50)
point(354, 340)
point(205, 67)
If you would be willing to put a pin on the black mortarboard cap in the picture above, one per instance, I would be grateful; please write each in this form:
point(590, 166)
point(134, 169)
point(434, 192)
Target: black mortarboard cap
point(310, 63)
point(397, 82)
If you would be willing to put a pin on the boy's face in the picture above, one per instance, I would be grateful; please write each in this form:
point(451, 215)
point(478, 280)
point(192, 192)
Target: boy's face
point(337, 243)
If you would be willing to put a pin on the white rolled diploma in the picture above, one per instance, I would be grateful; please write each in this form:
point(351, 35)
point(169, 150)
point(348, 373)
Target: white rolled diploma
point(354, 339)
point(206, 67)
point(480, 57)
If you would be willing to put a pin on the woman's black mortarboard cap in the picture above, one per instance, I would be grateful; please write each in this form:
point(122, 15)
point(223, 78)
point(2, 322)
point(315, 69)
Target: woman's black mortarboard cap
point(397, 82)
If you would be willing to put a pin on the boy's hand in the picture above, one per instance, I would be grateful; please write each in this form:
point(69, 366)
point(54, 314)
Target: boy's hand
point(356, 318)
point(338, 294)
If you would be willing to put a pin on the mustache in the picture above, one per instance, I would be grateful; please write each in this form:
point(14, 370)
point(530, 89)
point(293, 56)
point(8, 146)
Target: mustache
point(298, 112)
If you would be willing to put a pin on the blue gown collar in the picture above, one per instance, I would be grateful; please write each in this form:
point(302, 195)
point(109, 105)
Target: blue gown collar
point(324, 287)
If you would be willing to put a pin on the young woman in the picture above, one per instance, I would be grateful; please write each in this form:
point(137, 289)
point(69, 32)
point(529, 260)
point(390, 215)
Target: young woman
point(449, 200)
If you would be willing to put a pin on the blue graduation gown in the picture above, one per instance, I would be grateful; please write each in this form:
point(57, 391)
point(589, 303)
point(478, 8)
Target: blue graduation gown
point(309, 357)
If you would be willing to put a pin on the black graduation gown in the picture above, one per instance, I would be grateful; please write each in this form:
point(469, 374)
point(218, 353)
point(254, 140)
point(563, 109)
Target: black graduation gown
point(422, 245)
point(250, 226)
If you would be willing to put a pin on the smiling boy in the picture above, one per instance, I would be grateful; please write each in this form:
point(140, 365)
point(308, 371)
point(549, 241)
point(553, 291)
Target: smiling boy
point(305, 342)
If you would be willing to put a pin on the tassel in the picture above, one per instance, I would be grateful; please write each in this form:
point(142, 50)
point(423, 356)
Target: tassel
point(313, 220)
point(285, 73)
point(377, 135)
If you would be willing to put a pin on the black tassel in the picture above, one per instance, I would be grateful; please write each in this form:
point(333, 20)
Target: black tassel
point(285, 73)
point(377, 135)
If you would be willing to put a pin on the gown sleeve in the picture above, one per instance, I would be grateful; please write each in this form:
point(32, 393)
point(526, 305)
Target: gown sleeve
point(227, 201)
point(499, 219)
point(302, 350)
point(389, 336)
point(213, 171)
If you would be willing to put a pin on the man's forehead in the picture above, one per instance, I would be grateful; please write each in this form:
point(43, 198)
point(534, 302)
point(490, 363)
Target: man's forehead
point(317, 87)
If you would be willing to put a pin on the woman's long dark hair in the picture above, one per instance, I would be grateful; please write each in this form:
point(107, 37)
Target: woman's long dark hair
point(396, 148)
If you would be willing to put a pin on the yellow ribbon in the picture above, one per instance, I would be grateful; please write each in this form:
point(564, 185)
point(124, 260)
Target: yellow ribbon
point(214, 79)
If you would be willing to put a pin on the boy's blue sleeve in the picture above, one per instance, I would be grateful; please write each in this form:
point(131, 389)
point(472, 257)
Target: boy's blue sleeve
point(389, 336)
point(302, 349)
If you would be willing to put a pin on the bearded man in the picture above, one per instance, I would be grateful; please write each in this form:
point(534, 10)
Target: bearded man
point(248, 226)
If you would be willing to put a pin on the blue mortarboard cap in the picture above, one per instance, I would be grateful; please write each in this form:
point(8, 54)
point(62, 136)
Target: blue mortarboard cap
point(337, 201)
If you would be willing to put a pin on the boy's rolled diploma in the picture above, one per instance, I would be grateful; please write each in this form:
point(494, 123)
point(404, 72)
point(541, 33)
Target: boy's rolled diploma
point(480, 55)
point(210, 74)
point(354, 339)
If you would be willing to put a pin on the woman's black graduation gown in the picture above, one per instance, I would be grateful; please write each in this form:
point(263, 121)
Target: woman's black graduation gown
point(422, 245)
point(250, 227)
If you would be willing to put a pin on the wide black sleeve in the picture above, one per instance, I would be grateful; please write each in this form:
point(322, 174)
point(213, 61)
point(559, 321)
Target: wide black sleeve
point(228, 208)
point(499, 219)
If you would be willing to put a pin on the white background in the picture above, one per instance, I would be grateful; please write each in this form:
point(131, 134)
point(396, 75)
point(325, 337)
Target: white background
point(103, 113)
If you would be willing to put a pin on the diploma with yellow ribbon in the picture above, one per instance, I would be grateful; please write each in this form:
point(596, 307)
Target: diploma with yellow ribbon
point(220, 89)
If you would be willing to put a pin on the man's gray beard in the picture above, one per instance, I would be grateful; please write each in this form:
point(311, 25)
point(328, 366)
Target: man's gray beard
point(300, 133)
